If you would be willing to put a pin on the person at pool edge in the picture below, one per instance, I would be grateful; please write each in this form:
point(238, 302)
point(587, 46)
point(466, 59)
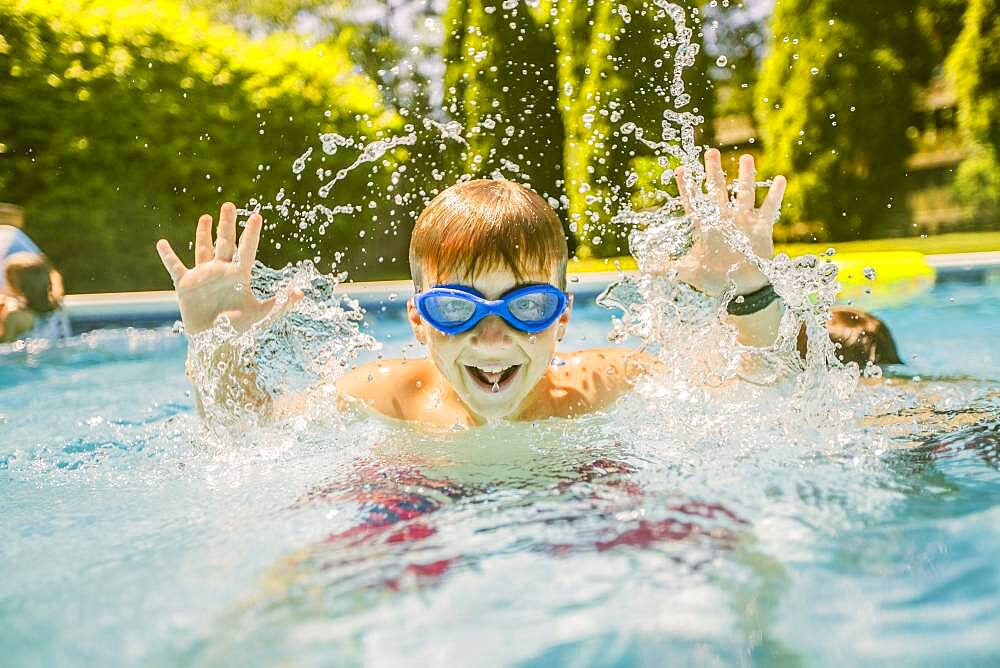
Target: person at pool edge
point(488, 259)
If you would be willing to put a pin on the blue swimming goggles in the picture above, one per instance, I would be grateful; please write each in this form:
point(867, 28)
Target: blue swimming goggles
point(454, 309)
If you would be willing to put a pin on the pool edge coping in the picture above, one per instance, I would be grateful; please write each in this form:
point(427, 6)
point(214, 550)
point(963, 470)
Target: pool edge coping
point(163, 303)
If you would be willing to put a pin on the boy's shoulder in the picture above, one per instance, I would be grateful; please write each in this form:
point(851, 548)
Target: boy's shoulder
point(579, 383)
point(589, 380)
point(397, 388)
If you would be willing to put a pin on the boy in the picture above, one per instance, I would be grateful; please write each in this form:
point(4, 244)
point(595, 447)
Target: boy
point(488, 260)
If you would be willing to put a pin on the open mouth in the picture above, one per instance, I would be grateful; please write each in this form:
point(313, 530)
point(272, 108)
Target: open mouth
point(492, 379)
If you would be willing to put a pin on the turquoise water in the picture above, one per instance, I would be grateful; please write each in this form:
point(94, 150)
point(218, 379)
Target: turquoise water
point(667, 531)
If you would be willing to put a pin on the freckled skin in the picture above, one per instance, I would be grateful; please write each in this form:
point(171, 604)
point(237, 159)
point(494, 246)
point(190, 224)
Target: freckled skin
point(437, 390)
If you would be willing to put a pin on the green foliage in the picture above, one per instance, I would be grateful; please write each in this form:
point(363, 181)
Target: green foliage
point(740, 35)
point(500, 85)
point(940, 23)
point(565, 76)
point(123, 121)
point(974, 68)
point(835, 98)
point(612, 71)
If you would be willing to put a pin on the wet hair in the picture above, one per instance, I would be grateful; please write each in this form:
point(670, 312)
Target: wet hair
point(476, 226)
point(30, 276)
point(859, 337)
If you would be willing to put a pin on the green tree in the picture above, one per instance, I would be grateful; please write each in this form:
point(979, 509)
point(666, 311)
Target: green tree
point(974, 69)
point(835, 98)
point(565, 77)
point(501, 85)
point(940, 22)
point(122, 121)
point(394, 43)
point(739, 36)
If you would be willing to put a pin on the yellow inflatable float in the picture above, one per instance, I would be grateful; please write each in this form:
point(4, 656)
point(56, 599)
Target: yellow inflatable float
point(872, 279)
point(882, 279)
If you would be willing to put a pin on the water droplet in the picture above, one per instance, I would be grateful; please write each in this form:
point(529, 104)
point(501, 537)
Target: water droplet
point(869, 273)
point(814, 71)
point(496, 388)
point(721, 61)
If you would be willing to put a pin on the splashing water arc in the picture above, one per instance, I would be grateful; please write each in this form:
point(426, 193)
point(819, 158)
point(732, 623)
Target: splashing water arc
point(314, 338)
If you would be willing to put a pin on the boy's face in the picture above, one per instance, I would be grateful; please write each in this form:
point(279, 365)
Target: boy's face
point(492, 352)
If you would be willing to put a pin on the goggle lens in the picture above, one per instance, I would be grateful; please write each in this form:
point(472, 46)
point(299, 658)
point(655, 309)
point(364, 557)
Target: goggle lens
point(449, 310)
point(533, 308)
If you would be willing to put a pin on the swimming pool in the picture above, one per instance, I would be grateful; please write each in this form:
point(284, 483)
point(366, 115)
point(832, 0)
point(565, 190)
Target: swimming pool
point(667, 531)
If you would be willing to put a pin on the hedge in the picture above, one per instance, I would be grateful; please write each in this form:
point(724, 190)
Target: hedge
point(123, 121)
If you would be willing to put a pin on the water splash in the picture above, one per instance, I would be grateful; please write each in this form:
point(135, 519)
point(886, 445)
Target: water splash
point(311, 335)
point(685, 329)
point(369, 153)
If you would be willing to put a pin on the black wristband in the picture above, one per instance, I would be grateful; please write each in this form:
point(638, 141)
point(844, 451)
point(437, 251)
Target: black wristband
point(755, 301)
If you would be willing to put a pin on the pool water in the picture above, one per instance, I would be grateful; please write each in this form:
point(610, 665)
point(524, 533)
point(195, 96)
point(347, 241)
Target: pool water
point(669, 531)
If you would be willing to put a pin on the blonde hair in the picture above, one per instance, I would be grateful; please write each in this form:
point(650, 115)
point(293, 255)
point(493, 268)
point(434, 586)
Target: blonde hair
point(485, 224)
point(30, 276)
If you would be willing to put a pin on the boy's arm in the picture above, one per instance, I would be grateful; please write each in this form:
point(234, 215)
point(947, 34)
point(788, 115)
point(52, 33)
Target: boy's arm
point(219, 284)
point(712, 263)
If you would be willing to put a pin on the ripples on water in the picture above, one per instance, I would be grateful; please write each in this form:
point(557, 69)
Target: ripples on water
point(685, 526)
point(810, 521)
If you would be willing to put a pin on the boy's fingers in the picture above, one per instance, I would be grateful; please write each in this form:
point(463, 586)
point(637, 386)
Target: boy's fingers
point(772, 203)
point(203, 240)
point(716, 177)
point(746, 197)
point(249, 241)
point(171, 262)
point(681, 177)
point(225, 236)
point(270, 310)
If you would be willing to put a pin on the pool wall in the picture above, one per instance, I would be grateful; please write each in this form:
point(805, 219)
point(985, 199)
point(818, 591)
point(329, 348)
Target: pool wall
point(157, 308)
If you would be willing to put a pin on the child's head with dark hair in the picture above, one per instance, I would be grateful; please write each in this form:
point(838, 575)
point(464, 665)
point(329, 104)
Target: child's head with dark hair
point(858, 336)
point(29, 276)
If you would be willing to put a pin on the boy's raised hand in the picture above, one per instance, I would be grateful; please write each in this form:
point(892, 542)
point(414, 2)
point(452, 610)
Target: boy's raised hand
point(712, 262)
point(217, 284)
